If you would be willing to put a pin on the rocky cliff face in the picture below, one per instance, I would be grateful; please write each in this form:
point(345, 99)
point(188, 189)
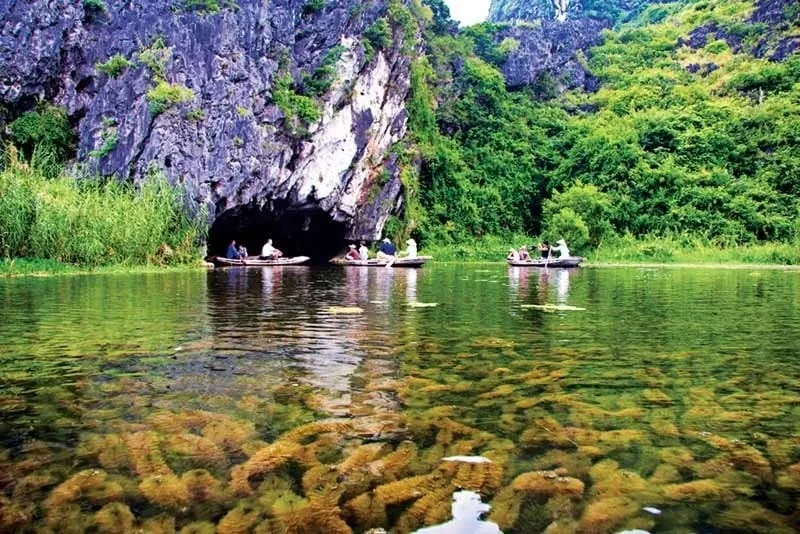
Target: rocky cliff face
point(211, 98)
point(562, 10)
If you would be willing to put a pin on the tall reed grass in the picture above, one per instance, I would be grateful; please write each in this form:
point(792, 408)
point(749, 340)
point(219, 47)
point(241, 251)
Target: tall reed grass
point(90, 221)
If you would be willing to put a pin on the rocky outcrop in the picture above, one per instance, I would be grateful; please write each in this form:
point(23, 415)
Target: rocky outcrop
point(551, 56)
point(563, 10)
point(226, 140)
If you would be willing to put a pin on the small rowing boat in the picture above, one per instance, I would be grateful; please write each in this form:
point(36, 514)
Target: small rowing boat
point(413, 263)
point(555, 263)
point(255, 261)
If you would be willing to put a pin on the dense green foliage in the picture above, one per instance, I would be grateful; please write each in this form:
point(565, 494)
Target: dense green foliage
point(299, 110)
point(116, 65)
point(696, 144)
point(44, 132)
point(207, 6)
point(92, 222)
point(320, 81)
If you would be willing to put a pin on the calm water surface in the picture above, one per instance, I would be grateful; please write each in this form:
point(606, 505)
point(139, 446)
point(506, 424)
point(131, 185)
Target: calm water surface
point(324, 400)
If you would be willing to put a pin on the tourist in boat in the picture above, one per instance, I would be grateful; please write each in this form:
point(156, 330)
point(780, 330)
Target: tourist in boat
point(411, 249)
point(232, 253)
point(513, 255)
point(561, 248)
point(387, 250)
point(352, 254)
point(544, 249)
point(268, 252)
point(523, 254)
point(243, 252)
point(363, 252)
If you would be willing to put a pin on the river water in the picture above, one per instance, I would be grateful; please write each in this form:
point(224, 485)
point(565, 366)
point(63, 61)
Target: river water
point(323, 400)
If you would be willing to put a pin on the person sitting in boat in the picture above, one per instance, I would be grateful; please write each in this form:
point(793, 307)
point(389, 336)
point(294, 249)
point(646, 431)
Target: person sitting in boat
point(523, 254)
point(268, 252)
point(232, 252)
point(243, 252)
point(363, 252)
point(411, 249)
point(561, 248)
point(544, 249)
point(513, 255)
point(352, 254)
point(387, 250)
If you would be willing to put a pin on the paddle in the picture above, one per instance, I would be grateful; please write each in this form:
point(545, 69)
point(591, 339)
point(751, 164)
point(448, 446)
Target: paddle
point(547, 260)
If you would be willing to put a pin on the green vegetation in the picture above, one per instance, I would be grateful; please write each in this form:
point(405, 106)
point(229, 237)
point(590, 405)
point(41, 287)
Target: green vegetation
point(377, 37)
point(165, 95)
point(116, 65)
point(318, 83)
point(298, 109)
point(90, 221)
point(155, 58)
point(108, 139)
point(44, 134)
point(94, 5)
point(668, 152)
point(313, 6)
point(208, 6)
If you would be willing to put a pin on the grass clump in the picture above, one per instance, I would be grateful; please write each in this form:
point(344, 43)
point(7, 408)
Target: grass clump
point(90, 221)
point(165, 95)
point(108, 139)
point(155, 58)
point(116, 65)
point(318, 83)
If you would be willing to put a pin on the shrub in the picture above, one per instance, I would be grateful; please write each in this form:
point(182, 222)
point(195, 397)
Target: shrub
point(321, 80)
point(568, 225)
point(46, 129)
point(298, 109)
point(108, 140)
point(155, 58)
point(717, 47)
point(208, 6)
point(115, 66)
point(165, 95)
point(379, 34)
point(94, 5)
point(313, 6)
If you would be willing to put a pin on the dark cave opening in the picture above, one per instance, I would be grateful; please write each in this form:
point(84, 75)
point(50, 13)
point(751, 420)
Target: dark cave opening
point(296, 233)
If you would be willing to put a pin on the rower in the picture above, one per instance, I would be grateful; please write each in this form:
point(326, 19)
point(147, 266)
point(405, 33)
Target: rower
point(562, 249)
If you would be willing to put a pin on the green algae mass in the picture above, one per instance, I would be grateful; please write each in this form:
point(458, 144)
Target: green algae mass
point(277, 415)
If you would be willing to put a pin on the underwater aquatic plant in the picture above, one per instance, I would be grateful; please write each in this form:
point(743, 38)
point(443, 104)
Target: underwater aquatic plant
point(114, 518)
point(431, 509)
point(229, 433)
point(199, 527)
point(203, 487)
point(110, 450)
point(90, 485)
point(605, 515)
point(265, 460)
point(14, 515)
point(145, 454)
point(548, 484)
point(698, 491)
point(239, 520)
point(165, 491)
point(160, 524)
point(193, 450)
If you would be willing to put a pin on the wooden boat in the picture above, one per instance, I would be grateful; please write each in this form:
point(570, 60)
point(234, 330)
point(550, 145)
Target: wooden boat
point(555, 263)
point(413, 263)
point(255, 261)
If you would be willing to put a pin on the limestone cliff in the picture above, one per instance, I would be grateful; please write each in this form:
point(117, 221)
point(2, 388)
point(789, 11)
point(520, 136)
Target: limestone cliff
point(215, 95)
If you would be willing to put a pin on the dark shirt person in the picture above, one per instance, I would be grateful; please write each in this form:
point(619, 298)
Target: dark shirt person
point(232, 253)
point(387, 248)
point(544, 249)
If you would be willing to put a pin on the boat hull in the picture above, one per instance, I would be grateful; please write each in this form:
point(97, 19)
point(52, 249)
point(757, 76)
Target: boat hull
point(408, 263)
point(255, 262)
point(555, 263)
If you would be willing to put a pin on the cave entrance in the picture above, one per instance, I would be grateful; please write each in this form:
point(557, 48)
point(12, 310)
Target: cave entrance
point(296, 233)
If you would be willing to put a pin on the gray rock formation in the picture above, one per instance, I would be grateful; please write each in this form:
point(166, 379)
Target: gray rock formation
point(239, 157)
point(611, 11)
point(551, 56)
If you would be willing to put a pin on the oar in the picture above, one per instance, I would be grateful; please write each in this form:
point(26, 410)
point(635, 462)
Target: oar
point(547, 260)
point(391, 262)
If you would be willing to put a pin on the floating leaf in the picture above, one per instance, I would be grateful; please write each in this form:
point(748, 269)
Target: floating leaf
point(345, 310)
point(550, 308)
point(423, 304)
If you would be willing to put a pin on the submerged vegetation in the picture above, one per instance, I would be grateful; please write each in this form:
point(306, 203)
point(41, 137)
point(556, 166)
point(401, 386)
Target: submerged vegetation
point(600, 435)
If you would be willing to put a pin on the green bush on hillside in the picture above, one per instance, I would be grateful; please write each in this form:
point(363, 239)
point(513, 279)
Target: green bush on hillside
point(165, 95)
point(116, 65)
